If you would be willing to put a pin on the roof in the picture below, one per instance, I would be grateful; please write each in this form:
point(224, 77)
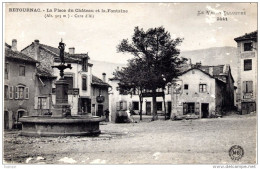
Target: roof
point(98, 82)
point(247, 36)
point(18, 56)
point(217, 77)
point(42, 72)
point(8, 46)
point(69, 58)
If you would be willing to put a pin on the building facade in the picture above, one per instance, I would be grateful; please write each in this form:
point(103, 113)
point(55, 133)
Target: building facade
point(247, 72)
point(79, 78)
point(120, 101)
point(203, 91)
point(19, 85)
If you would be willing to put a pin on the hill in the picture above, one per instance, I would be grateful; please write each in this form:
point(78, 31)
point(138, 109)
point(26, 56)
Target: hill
point(210, 56)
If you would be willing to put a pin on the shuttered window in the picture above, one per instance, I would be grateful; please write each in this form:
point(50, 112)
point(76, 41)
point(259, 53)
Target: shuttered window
point(6, 92)
point(248, 86)
point(84, 83)
point(247, 64)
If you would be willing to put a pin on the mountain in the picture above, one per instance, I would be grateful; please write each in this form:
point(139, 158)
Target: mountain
point(209, 56)
point(215, 56)
point(100, 67)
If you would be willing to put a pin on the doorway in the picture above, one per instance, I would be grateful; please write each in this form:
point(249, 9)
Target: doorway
point(169, 105)
point(85, 105)
point(204, 110)
point(248, 107)
point(6, 120)
point(148, 108)
point(100, 110)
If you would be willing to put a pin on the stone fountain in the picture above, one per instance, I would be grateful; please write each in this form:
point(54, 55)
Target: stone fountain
point(61, 123)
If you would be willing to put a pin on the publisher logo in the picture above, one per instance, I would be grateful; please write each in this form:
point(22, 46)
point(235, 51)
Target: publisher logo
point(236, 152)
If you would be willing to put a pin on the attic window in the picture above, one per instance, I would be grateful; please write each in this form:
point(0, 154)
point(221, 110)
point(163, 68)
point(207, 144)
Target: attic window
point(248, 46)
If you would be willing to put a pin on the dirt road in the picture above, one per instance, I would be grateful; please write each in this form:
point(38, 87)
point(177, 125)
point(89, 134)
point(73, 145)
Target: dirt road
point(202, 141)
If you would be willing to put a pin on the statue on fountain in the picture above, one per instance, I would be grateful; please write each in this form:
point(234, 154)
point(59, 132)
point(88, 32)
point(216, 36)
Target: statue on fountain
point(62, 48)
point(62, 65)
point(62, 108)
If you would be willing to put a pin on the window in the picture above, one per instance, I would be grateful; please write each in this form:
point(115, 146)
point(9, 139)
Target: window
point(84, 83)
point(203, 88)
point(11, 92)
point(122, 105)
point(42, 102)
point(21, 92)
point(188, 108)
point(248, 86)
point(159, 106)
point(6, 70)
point(84, 64)
point(248, 46)
point(69, 80)
point(6, 92)
point(21, 70)
point(186, 86)
point(135, 105)
point(247, 64)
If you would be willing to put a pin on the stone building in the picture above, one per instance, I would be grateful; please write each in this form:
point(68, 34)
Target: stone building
point(120, 101)
point(19, 85)
point(203, 91)
point(80, 78)
point(247, 72)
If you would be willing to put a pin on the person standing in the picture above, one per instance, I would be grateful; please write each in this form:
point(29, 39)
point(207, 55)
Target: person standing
point(107, 115)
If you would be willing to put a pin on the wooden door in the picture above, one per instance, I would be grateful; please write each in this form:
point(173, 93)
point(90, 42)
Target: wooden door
point(100, 110)
point(148, 108)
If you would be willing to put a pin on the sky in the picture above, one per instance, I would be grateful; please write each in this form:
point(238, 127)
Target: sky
point(103, 31)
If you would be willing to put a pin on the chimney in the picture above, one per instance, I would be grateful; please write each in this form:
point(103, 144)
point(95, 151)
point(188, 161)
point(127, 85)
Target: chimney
point(14, 45)
point(36, 44)
point(198, 64)
point(72, 50)
point(104, 77)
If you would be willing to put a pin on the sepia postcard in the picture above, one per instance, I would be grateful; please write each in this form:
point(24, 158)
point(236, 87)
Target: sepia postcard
point(130, 83)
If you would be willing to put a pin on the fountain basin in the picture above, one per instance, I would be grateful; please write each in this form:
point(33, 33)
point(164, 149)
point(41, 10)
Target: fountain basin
point(41, 126)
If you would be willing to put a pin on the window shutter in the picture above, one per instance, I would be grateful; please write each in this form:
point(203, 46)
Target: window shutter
point(35, 102)
point(124, 105)
point(48, 103)
point(27, 93)
point(250, 86)
point(117, 106)
point(244, 86)
point(16, 92)
point(11, 92)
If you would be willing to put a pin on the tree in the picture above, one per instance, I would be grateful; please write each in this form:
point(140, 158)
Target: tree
point(155, 61)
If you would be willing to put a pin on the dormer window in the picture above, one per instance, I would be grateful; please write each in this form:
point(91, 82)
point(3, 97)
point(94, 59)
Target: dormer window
point(85, 64)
